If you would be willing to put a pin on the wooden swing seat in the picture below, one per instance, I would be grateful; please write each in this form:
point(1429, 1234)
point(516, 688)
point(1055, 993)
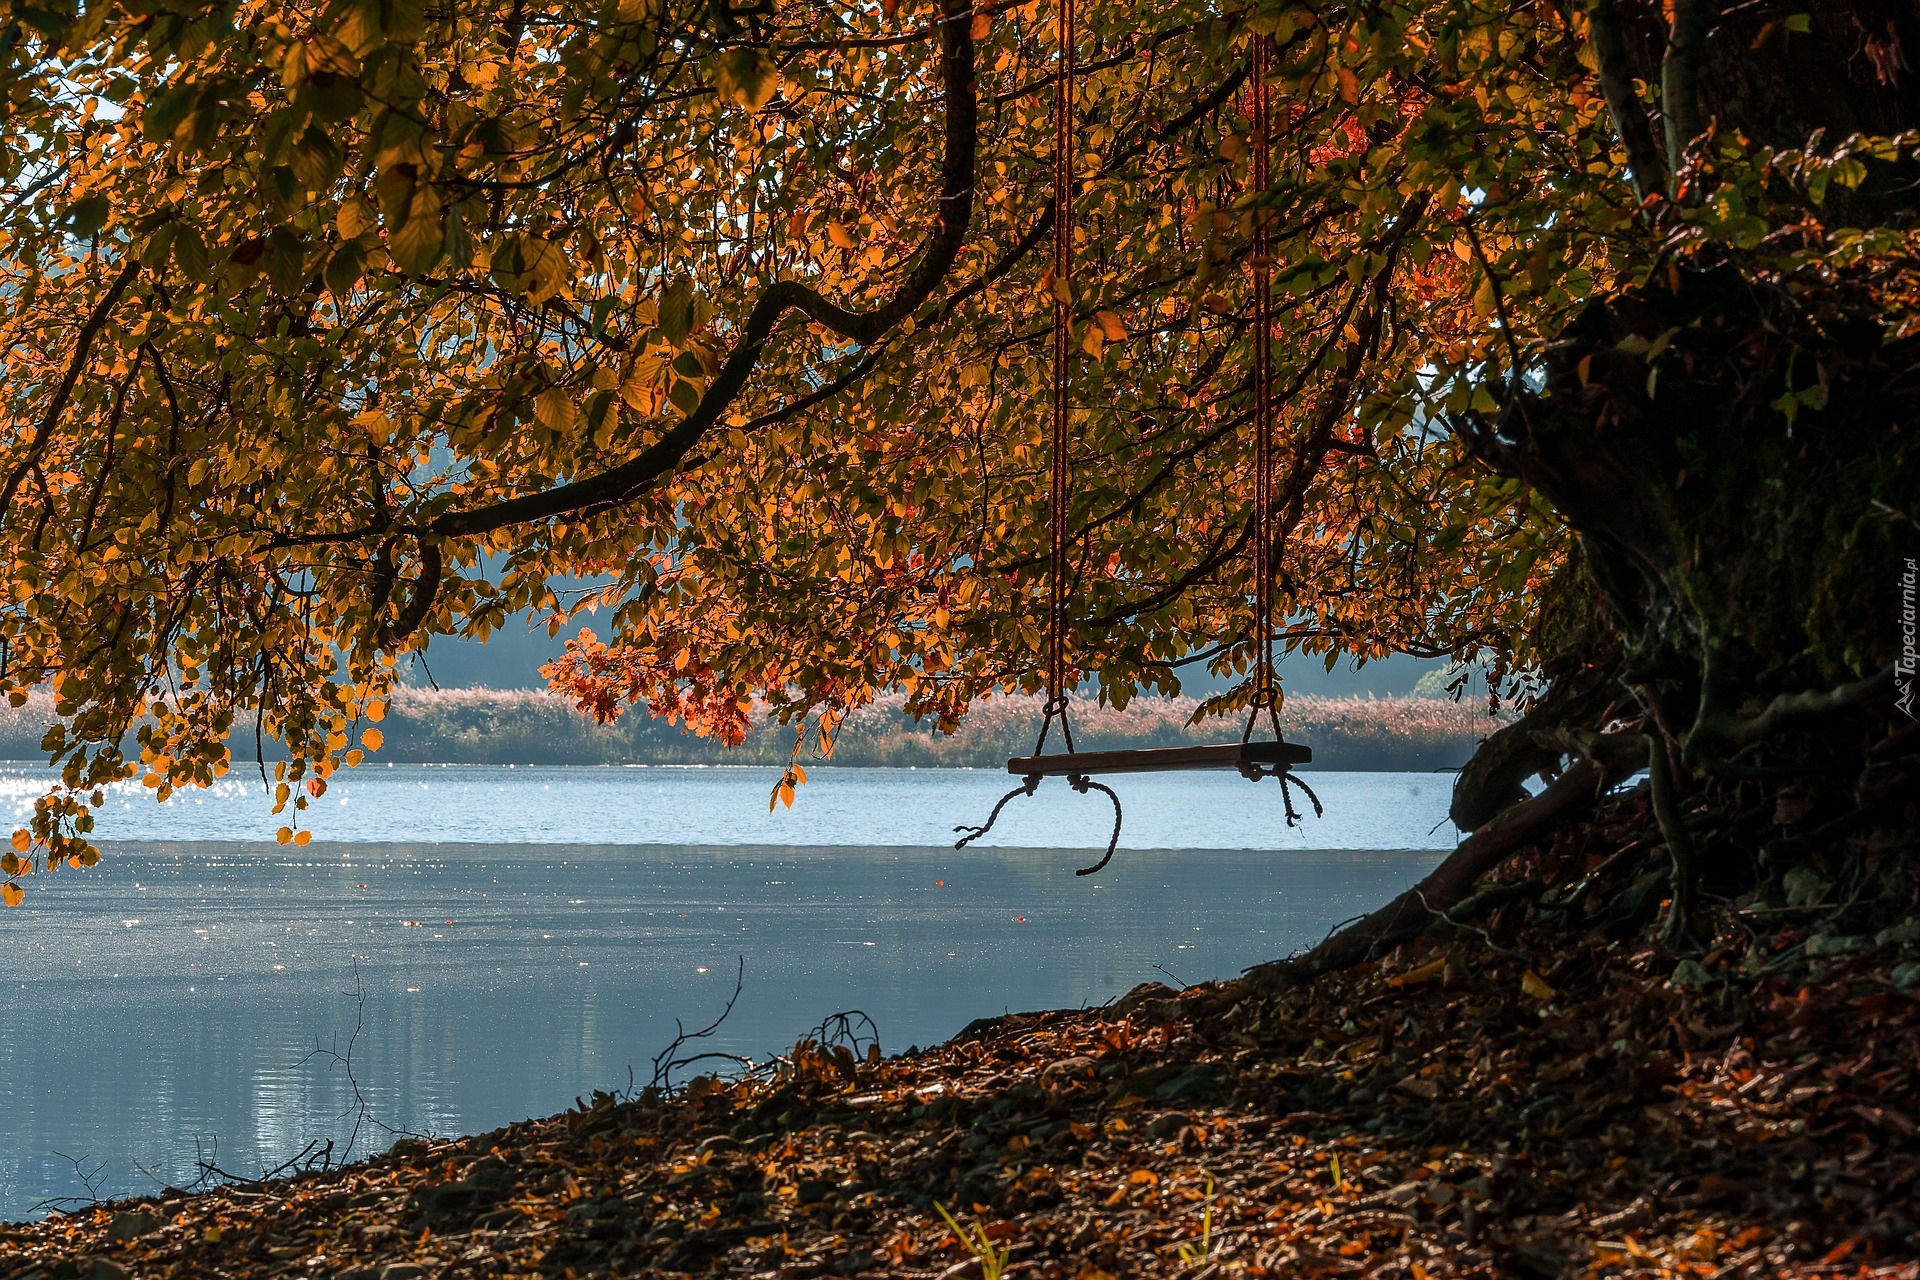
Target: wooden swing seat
point(1230, 755)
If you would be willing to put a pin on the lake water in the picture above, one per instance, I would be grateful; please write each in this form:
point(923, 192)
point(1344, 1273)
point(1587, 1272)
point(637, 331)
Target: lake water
point(523, 936)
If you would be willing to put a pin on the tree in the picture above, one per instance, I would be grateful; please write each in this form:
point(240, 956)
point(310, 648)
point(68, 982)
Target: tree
point(334, 330)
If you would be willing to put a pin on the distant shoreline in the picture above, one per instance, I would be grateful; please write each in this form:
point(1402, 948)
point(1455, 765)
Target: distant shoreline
point(535, 727)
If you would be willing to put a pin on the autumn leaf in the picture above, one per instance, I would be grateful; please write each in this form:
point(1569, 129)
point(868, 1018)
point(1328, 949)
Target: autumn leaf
point(554, 409)
point(530, 265)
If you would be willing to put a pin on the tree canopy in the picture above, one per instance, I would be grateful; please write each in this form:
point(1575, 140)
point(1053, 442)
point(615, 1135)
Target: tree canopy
point(331, 328)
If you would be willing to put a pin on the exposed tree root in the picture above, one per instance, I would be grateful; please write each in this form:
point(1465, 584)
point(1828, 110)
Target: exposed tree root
point(1449, 883)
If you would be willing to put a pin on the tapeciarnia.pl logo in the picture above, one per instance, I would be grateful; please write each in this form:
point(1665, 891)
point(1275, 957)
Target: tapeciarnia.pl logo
point(1904, 668)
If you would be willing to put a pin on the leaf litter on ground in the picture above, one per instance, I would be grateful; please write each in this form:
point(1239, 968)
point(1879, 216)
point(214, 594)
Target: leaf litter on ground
point(1506, 1103)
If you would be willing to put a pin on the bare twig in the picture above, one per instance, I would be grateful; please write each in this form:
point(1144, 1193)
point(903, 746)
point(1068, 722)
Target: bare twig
point(669, 1059)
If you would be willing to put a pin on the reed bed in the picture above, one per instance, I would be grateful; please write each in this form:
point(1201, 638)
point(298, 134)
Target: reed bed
point(492, 726)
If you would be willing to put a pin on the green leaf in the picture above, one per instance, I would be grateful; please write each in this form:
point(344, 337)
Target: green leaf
point(86, 217)
point(394, 185)
point(676, 311)
point(190, 253)
point(286, 262)
point(344, 268)
point(745, 77)
point(153, 253)
point(165, 111)
point(417, 245)
point(546, 269)
point(316, 160)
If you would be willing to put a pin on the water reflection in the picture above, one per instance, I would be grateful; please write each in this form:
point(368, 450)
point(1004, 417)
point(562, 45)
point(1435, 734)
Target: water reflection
point(178, 991)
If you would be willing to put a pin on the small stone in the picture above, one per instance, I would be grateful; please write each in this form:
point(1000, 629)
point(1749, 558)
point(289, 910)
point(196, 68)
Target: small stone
point(1690, 973)
point(131, 1225)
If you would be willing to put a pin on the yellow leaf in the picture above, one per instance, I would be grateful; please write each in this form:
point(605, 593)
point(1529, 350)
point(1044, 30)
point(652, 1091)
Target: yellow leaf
point(1095, 341)
point(371, 739)
point(376, 711)
point(22, 840)
point(1110, 325)
point(839, 235)
point(554, 410)
point(1144, 1178)
point(1417, 977)
point(13, 893)
point(1536, 986)
point(355, 219)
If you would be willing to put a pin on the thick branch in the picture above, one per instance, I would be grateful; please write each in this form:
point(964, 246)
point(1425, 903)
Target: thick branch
point(82, 349)
point(1629, 116)
point(639, 474)
point(425, 588)
point(1449, 883)
point(1740, 731)
point(1680, 80)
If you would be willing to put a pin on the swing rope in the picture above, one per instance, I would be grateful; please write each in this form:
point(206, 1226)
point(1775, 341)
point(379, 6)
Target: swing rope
point(1266, 688)
point(1057, 568)
point(1266, 696)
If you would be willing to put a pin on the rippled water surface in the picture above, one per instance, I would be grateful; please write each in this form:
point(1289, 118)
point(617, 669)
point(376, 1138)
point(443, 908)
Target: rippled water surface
point(523, 936)
point(681, 805)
